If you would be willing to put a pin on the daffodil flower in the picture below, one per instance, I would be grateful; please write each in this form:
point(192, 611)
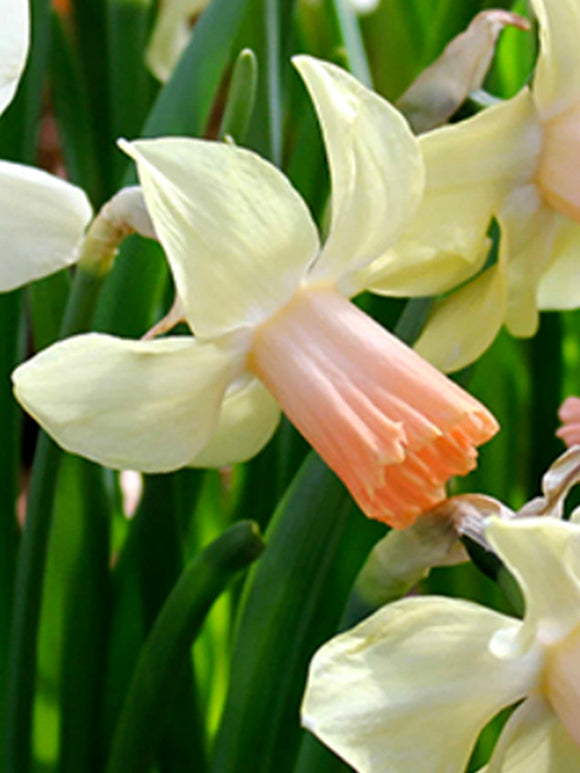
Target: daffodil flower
point(170, 35)
point(410, 688)
point(42, 218)
point(569, 414)
point(517, 162)
point(271, 321)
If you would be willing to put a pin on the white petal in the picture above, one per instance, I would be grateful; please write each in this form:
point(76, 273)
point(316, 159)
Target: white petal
point(407, 272)
point(463, 325)
point(375, 165)
point(527, 236)
point(544, 556)
point(557, 78)
point(534, 741)
point(42, 220)
point(471, 166)
point(141, 405)
point(410, 688)
point(559, 287)
point(237, 235)
point(248, 419)
point(14, 40)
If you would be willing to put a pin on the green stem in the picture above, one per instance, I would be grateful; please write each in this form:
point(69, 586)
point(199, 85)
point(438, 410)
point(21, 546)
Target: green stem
point(32, 558)
point(86, 626)
point(9, 316)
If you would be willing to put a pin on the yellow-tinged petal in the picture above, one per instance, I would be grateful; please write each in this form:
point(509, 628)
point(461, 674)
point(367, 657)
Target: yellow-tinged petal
point(248, 419)
point(557, 76)
point(464, 324)
point(527, 236)
point(141, 405)
point(534, 741)
point(470, 167)
point(170, 34)
point(375, 166)
point(405, 272)
point(238, 237)
point(559, 287)
point(14, 32)
point(410, 688)
point(42, 220)
point(544, 556)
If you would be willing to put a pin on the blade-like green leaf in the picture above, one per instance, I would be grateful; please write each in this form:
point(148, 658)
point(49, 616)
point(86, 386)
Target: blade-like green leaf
point(158, 670)
point(292, 602)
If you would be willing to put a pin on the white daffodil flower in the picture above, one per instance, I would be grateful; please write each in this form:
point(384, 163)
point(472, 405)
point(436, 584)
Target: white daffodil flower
point(411, 687)
point(517, 162)
point(271, 321)
point(42, 218)
point(569, 414)
point(171, 34)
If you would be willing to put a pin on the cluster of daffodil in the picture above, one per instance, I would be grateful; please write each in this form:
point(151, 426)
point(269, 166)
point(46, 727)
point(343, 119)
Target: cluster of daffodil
point(271, 328)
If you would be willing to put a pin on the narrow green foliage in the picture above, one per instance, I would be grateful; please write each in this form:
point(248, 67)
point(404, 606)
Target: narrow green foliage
point(149, 565)
point(10, 308)
point(32, 559)
point(348, 37)
point(132, 88)
point(291, 603)
point(241, 97)
point(72, 113)
point(164, 654)
point(87, 605)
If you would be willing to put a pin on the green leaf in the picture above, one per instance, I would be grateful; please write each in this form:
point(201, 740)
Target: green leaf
point(241, 97)
point(86, 623)
point(292, 601)
point(10, 308)
point(162, 658)
point(16, 754)
point(132, 88)
point(72, 113)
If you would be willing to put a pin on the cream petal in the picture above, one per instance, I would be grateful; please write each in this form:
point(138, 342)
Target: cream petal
point(170, 35)
point(534, 741)
point(14, 40)
point(559, 287)
point(238, 237)
point(410, 688)
point(42, 220)
point(544, 556)
point(526, 247)
point(557, 77)
point(375, 166)
point(141, 405)
point(463, 325)
point(471, 166)
point(403, 272)
point(248, 419)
